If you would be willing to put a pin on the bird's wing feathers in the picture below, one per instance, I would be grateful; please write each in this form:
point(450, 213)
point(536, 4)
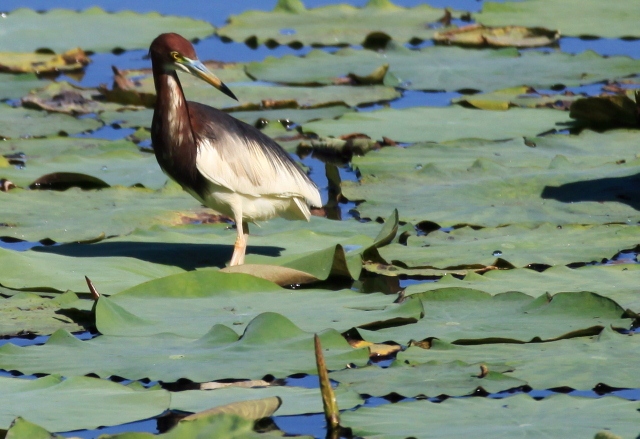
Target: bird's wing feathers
point(237, 156)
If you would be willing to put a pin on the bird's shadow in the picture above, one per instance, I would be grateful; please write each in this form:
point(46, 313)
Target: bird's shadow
point(621, 189)
point(185, 256)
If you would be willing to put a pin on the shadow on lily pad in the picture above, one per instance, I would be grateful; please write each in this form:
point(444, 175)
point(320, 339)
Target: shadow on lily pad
point(185, 256)
point(621, 189)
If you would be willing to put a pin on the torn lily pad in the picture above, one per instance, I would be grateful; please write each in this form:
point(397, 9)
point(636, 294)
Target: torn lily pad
point(477, 35)
point(71, 60)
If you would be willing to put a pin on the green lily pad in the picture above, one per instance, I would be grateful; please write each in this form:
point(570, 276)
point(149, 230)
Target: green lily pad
point(17, 86)
point(596, 18)
point(189, 303)
point(518, 97)
point(270, 344)
point(37, 271)
point(229, 426)
point(558, 416)
point(521, 246)
point(464, 316)
point(585, 179)
point(290, 22)
point(295, 400)
point(114, 162)
point(30, 313)
point(421, 124)
point(25, 30)
point(448, 68)
point(59, 404)
point(431, 379)
point(579, 363)
point(63, 97)
point(142, 118)
point(617, 282)
point(20, 122)
point(35, 215)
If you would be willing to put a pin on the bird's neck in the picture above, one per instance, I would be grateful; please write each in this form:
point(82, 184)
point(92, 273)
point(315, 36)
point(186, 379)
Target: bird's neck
point(171, 133)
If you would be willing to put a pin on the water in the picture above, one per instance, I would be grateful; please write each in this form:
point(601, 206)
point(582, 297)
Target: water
point(99, 72)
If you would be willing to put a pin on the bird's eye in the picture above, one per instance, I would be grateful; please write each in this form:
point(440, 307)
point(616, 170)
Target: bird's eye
point(175, 55)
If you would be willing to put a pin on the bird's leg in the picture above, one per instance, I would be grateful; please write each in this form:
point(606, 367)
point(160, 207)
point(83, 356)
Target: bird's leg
point(240, 246)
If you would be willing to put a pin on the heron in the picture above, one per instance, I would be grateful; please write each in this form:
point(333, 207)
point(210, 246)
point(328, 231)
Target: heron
point(224, 163)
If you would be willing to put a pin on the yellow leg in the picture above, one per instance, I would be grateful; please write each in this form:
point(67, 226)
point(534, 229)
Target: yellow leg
point(240, 246)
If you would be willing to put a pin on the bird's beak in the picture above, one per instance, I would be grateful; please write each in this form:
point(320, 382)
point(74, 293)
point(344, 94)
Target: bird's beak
point(197, 69)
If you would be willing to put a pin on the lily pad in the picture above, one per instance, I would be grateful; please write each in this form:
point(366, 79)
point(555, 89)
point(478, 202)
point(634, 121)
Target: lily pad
point(36, 271)
point(477, 35)
point(189, 303)
point(545, 244)
point(579, 363)
point(555, 179)
point(290, 22)
point(421, 124)
point(74, 59)
point(558, 416)
point(16, 86)
point(270, 344)
point(114, 162)
point(596, 18)
point(59, 404)
point(20, 122)
point(433, 378)
point(295, 400)
point(93, 29)
point(518, 97)
point(617, 282)
point(26, 313)
point(35, 215)
point(448, 68)
point(463, 316)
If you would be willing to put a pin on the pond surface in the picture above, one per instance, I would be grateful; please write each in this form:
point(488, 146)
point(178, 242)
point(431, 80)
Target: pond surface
point(99, 72)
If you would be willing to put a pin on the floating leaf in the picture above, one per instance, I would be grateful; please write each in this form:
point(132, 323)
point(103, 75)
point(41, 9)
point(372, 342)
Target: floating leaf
point(60, 404)
point(116, 162)
point(518, 245)
point(26, 313)
point(20, 122)
point(477, 35)
point(448, 68)
point(16, 86)
point(333, 25)
point(465, 316)
point(295, 400)
point(557, 417)
point(421, 124)
point(189, 303)
point(74, 59)
point(578, 363)
point(25, 30)
point(617, 282)
point(555, 179)
point(433, 378)
point(596, 17)
point(270, 344)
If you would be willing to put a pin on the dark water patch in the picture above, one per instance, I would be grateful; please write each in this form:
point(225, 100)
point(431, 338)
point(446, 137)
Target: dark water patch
point(20, 245)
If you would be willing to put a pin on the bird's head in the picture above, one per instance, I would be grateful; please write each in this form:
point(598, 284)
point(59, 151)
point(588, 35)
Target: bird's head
point(173, 52)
